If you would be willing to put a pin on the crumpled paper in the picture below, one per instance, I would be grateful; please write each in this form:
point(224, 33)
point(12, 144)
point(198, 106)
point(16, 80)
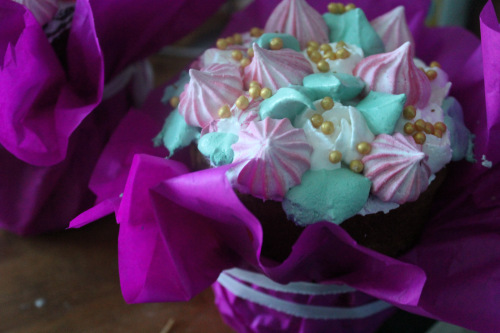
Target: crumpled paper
point(54, 121)
point(179, 229)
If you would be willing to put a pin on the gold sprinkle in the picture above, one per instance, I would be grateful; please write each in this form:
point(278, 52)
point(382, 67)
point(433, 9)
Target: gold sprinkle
point(340, 44)
point(364, 148)
point(350, 6)
point(315, 56)
point(256, 32)
point(316, 120)
point(313, 45)
point(409, 128)
point(242, 102)
point(336, 8)
point(429, 128)
point(237, 55)
point(431, 74)
point(323, 66)
point(342, 54)
point(238, 39)
point(245, 62)
point(265, 93)
point(420, 125)
point(174, 101)
point(224, 111)
point(250, 52)
point(254, 91)
point(356, 166)
point(221, 44)
point(435, 64)
point(254, 84)
point(440, 126)
point(325, 47)
point(330, 55)
point(276, 44)
point(335, 156)
point(327, 127)
point(327, 103)
point(438, 133)
point(409, 112)
point(419, 138)
point(230, 40)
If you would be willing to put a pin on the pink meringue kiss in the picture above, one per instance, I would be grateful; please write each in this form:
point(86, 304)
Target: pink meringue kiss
point(271, 156)
point(207, 91)
point(397, 168)
point(395, 73)
point(276, 69)
point(393, 29)
point(297, 18)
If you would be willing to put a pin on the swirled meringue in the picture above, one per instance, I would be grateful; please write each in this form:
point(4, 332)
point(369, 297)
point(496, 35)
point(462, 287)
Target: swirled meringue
point(395, 73)
point(42, 10)
point(276, 69)
point(297, 18)
point(393, 29)
point(271, 156)
point(397, 168)
point(207, 91)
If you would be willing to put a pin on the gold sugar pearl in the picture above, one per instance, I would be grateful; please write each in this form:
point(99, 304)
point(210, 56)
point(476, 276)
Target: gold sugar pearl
point(265, 93)
point(254, 84)
point(438, 133)
point(310, 50)
point(409, 128)
point(419, 138)
point(276, 44)
point(256, 32)
point(342, 54)
point(315, 56)
point(435, 64)
point(409, 112)
point(327, 127)
point(224, 111)
point(356, 166)
point(238, 39)
point(245, 62)
point(335, 156)
point(174, 101)
point(314, 45)
point(242, 102)
point(250, 52)
point(327, 103)
point(221, 44)
point(330, 55)
point(431, 74)
point(429, 128)
point(230, 40)
point(254, 91)
point(440, 126)
point(323, 66)
point(340, 44)
point(364, 148)
point(237, 55)
point(325, 47)
point(316, 120)
point(420, 125)
point(336, 8)
point(350, 6)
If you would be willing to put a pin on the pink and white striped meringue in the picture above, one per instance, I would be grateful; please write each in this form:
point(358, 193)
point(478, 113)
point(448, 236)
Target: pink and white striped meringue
point(42, 10)
point(395, 73)
point(208, 90)
point(397, 168)
point(271, 156)
point(276, 69)
point(393, 29)
point(297, 18)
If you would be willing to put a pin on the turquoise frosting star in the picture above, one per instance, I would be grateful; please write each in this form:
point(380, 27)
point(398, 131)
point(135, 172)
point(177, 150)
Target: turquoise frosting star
point(289, 41)
point(327, 195)
point(353, 28)
point(287, 102)
point(382, 111)
point(176, 133)
point(339, 86)
point(217, 146)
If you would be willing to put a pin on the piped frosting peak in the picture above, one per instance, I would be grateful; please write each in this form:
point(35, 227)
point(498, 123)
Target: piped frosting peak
point(395, 73)
point(276, 69)
point(297, 18)
point(208, 90)
point(271, 156)
point(397, 168)
point(393, 29)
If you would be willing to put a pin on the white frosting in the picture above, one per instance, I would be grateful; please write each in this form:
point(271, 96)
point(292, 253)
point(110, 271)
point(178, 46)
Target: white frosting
point(216, 56)
point(340, 65)
point(440, 86)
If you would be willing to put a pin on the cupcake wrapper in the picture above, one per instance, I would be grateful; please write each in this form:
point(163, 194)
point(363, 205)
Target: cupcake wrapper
point(186, 228)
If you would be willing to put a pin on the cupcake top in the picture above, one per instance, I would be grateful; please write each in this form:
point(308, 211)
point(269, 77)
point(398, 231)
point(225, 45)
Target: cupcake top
point(317, 108)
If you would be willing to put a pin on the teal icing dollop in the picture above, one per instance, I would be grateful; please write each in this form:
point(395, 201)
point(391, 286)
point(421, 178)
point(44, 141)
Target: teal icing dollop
point(353, 28)
point(217, 147)
point(175, 89)
point(287, 102)
point(339, 86)
point(461, 139)
point(327, 195)
point(382, 111)
point(176, 133)
point(289, 41)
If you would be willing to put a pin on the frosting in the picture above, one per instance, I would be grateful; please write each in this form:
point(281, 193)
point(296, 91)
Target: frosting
point(397, 167)
point(42, 10)
point(289, 41)
point(393, 29)
point(297, 18)
point(395, 73)
point(270, 156)
point(460, 136)
point(207, 91)
point(440, 85)
point(217, 146)
point(276, 69)
point(286, 103)
point(338, 63)
point(339, 86)
point(176, 133)
point(382, 111)
point(217, 56)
